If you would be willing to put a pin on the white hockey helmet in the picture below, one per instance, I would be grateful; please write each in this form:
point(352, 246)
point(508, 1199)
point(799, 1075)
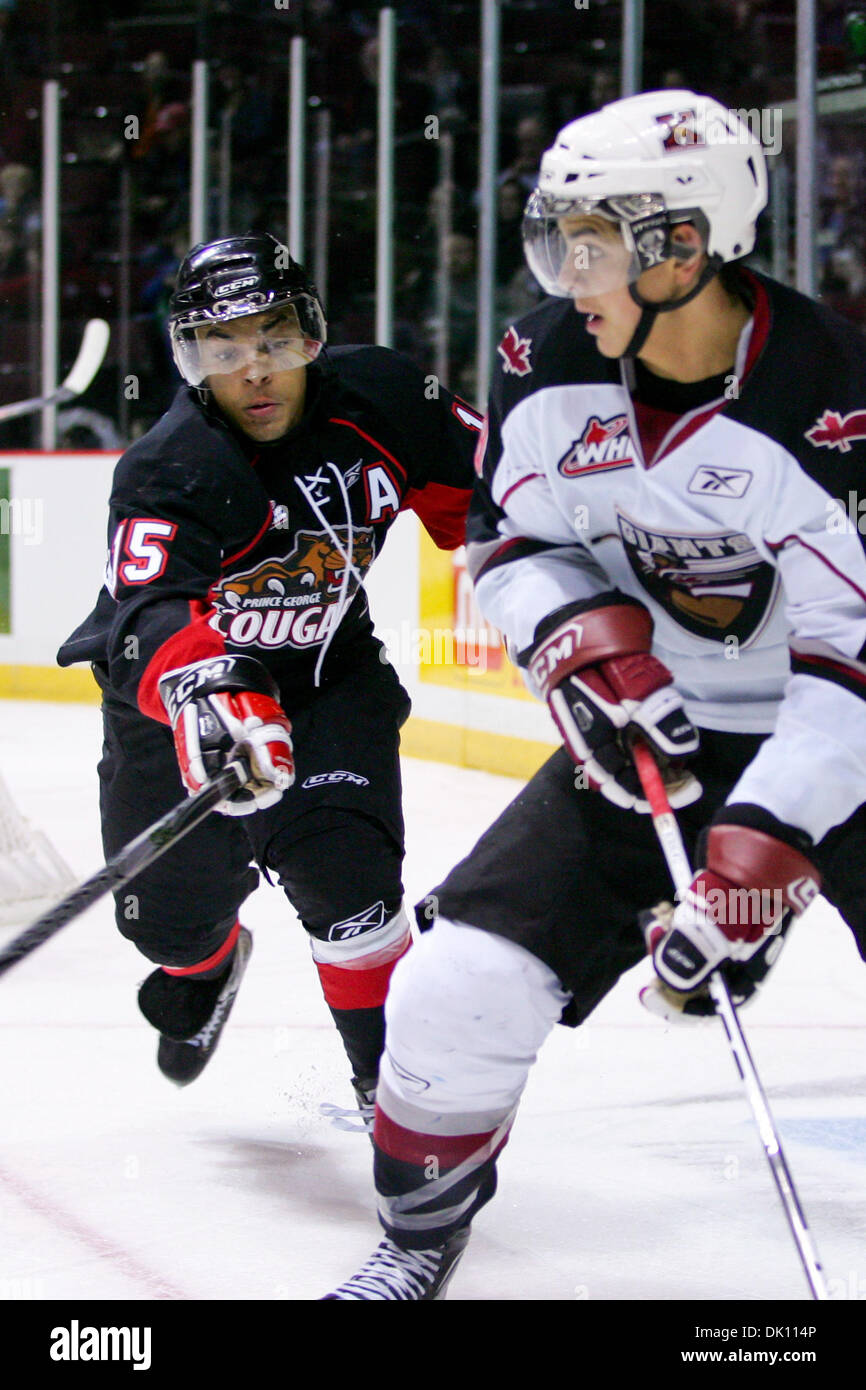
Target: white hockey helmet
point(643, 164)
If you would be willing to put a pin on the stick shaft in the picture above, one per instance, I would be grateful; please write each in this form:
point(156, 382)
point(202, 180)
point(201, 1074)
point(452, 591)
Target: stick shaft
point(674, 851)
point(125, 865)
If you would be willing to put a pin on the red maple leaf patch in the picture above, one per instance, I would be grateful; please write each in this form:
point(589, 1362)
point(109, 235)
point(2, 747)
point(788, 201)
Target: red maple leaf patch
point(835, 431)
point(515, 353)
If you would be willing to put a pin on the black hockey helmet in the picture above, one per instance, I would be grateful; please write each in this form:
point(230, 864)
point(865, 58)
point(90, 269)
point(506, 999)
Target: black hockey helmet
point(219, 281)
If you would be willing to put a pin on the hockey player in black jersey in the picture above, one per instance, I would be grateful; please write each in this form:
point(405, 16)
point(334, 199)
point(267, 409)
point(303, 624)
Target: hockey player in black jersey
point(234, 615)
point(656, 531)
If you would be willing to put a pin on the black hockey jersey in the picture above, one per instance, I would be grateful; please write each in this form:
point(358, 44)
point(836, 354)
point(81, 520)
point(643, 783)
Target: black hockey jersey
point(742, 531)
point(218, 544)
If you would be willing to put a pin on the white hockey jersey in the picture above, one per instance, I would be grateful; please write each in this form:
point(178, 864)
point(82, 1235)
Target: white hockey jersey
point(740, 533)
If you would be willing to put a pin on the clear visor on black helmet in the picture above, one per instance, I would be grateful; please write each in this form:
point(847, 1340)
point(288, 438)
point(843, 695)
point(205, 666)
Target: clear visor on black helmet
point(247, 334)
point(581, 247)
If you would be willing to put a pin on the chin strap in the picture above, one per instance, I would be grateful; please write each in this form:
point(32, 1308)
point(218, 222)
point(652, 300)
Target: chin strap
point(649, 310)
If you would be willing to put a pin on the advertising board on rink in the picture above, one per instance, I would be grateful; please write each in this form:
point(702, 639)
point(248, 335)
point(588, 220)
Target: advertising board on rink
point(470, 706)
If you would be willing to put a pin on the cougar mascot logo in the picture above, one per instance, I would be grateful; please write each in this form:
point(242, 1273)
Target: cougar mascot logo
point(312, 572)
point(316, 561)
point(291, 601)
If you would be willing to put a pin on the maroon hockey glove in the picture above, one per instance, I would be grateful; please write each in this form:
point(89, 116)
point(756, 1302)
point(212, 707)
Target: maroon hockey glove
point(592, 662)
point(751, 883)
point(743, 978)
point(222, 707)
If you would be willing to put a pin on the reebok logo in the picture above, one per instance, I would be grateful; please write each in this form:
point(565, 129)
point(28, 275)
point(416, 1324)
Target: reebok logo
point(720, 482)
point(77, 1343)
point(800, 892)
point(369, 920)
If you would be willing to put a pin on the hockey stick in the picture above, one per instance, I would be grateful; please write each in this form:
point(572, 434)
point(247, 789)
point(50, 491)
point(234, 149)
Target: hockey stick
point(84, 369)
point(671, 842)
point(126, 865)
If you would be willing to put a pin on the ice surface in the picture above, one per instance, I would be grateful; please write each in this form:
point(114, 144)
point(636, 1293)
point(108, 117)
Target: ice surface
point(634, 1171)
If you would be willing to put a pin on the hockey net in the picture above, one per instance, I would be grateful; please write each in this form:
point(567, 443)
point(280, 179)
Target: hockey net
point(33, 875)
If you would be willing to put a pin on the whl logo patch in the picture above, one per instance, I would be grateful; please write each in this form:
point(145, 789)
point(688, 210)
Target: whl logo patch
point(835, 431)
point(603, 444)
point(514, 351)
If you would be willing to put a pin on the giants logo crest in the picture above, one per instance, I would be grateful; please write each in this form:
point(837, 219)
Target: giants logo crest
point(679, 128)
point(715, 586)
point(603, 444)
point(291, 601)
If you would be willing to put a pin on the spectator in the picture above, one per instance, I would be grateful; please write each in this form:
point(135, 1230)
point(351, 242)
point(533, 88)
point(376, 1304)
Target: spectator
point(18, 201)
point(603, 88)
point(250, 109)
point(531, 139)
point(843, 225)
point(445, 85)
point(509, 239)
point(19, 54)
point(463, 306)
point(162, 260)
point(16, 274)
point(155, 81)
point(164, 172)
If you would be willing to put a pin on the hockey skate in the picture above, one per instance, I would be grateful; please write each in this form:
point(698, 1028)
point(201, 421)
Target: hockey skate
point(404, 1275)
point(191, 1015)
point(358, 1121)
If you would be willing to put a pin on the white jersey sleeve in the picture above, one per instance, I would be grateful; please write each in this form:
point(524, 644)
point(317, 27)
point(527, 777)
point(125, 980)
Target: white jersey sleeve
point(735, 534)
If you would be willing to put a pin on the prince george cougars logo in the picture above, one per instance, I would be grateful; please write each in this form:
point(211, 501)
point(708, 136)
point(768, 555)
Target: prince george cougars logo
point(715, 586)
point(291, 601)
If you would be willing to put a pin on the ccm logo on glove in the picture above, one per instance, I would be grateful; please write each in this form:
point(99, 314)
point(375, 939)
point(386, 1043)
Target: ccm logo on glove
point(592, 663)
point(222, 709)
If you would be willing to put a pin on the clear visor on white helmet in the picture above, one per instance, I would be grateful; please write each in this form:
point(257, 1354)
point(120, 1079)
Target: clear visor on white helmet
point(244, 336)
point(581, 247)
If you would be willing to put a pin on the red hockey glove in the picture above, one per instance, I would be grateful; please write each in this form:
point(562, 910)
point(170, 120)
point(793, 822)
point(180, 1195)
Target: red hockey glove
point(596, 671)
point(223, 707)
point(752, 882)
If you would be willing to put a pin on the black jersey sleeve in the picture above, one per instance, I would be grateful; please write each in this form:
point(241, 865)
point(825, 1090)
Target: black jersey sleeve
point(431, 431)
point(185, 501)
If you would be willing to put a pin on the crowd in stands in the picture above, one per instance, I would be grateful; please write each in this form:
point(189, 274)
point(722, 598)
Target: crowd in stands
point(126, 117)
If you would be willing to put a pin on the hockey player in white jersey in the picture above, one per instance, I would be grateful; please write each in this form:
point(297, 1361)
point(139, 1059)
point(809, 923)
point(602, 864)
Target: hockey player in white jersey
point(657, 529)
